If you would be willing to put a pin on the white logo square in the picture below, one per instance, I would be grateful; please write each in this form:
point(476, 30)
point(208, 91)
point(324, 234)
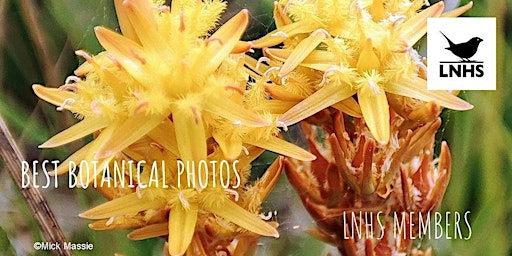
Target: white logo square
point(461, 53)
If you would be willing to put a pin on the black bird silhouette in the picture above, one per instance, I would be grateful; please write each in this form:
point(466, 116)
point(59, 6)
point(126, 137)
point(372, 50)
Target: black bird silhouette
point(464, 50)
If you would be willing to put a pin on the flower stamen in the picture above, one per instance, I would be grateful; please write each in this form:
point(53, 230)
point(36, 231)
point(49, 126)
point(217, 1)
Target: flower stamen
point(195, 113)
point(157, 146)
point(246, 151)
point(280, 34)
point(85, 55)
point(283, 125)
point(261, 60)
point(95, 108)
point(213, 39)
point(69, 87)
point(114, 60)
point(270, 70)
point(237, 123)
point(138, 57)
point(183, 200)
point(72, 80)
point(182, 21)
point(234, 88)
point(110, 221)
point(328, 72)
point(233, 192)
point(65, 103)
point(138, 190)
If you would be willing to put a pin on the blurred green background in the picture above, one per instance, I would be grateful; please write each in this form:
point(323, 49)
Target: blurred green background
point(37, 41)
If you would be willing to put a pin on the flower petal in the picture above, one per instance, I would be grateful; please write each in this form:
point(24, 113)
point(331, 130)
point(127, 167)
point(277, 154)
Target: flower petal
point(150, 231)
point(228, 36)
point(76, 157)
point(325, 97)
point(368, 60)
point(126, 205)
point(231, 147)
point(415, 28)
point(124, 50)
point(75, 132)
point(375, 108)
point(270, 178)
point(349, 106)
point(302, 50)
point(128, 132)
point(124, 21)
point(417, 88)
point(182, 224)
point(54, 96)
point(232, 111)
point(318, 60)
point(283, 147)
point(458, 11)
point(93, 173)
point(164, 134)
point(190, 134)
point(232, 212)
point(280, 18)
point(279, 35)
point(280, 93)
point(274, 106)
point(144, 23)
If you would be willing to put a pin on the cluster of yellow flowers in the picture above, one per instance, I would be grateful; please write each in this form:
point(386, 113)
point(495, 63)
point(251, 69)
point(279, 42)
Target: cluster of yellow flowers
point(167, 90)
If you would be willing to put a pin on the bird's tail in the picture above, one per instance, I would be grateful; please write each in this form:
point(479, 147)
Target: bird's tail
point(448, 39)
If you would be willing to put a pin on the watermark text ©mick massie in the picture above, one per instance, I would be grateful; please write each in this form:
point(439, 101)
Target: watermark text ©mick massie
point(66, 246)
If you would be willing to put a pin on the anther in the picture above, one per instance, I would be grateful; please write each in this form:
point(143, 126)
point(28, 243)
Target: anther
point(183, 200)
point(282, 125)
point(374, 87)
point(280, 34)
point(266, 217)
point(110, 221)
point(234, 193)
point(322, 31)
point(284, 79)
point(162, 8)
point(182, 21)
point(157, 146)
point(65, 103)
point(95, 108)
point(195, 113)
point(237, 123)
point(72, 80)
point(138, 190)
point(213, 39)
point(246, 151)
point(115, 60)
point(234, 88)
point(261, 60)
point(328, 72)
point(68, 87)
point(136, 95)
point(396, 19)
point(270, 70)
point(137, 56)
point(84, 55)
point(141, 105)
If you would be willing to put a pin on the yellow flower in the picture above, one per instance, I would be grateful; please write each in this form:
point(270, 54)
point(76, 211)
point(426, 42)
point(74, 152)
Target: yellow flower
point(164, 78)
point(362, 48)
point(191, 211)
point(163, 66)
